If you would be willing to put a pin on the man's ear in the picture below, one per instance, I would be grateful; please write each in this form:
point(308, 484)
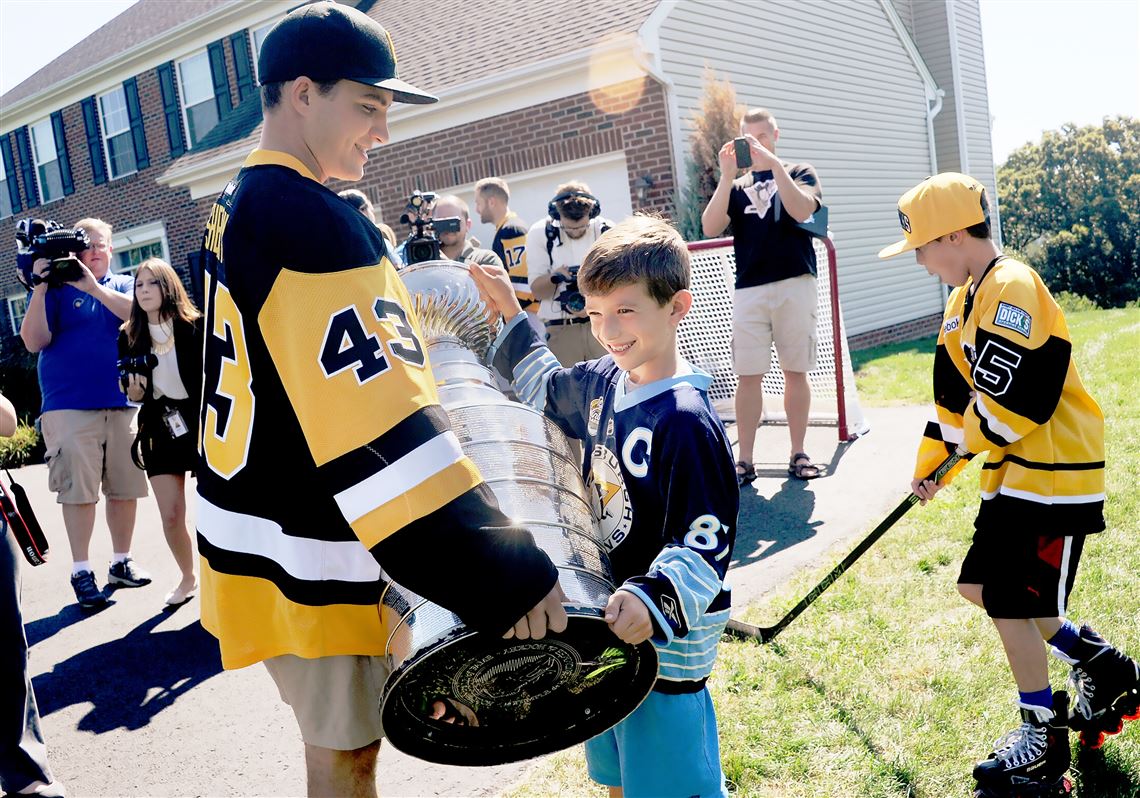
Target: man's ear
point(300, 94)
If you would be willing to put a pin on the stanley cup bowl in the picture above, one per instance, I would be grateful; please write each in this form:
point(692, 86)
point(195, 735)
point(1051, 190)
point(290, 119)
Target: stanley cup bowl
point(505, 700)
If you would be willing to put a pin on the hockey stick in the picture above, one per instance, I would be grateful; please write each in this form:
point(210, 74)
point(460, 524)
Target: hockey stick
point(765, 633)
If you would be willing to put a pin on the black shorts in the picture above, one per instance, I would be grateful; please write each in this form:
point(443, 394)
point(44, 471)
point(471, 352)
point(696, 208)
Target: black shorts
point(157, 449)
point(1022, 575)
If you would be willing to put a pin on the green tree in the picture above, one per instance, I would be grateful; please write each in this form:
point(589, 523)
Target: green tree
point(1071, 204)
point(717, 121)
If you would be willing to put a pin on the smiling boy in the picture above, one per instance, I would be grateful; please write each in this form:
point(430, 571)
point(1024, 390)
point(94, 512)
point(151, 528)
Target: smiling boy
point(659, 470)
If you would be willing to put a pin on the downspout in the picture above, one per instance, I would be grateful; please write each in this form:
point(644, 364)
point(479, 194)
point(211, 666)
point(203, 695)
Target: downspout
point(933, 96)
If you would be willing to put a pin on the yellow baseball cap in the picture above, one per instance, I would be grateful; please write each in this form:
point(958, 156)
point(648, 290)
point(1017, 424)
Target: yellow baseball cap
point(938, 205)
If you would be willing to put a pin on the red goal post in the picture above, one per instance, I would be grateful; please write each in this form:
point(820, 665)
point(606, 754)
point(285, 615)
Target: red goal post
point(705, 340)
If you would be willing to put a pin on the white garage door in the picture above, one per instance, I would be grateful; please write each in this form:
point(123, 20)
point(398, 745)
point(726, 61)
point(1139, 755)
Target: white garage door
point(606, 175)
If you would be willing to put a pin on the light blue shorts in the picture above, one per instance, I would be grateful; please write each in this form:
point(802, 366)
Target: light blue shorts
point(666, 749)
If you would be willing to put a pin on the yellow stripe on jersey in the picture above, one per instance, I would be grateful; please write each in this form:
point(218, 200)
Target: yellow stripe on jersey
point(254, 621)
point(416, 502)
point(340, 360)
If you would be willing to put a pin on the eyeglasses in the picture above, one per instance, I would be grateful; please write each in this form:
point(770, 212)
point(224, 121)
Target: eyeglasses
point(575, 228)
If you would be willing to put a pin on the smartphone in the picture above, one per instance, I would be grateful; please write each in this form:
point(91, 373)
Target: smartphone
point(743, 153)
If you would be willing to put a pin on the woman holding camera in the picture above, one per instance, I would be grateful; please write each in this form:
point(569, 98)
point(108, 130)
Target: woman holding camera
point(160, 351)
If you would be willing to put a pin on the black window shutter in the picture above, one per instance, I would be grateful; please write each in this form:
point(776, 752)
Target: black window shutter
point(170, 109)
point(27, 166)
point(61, 153)
point(195, 267)
point(94, 141)
point(217, 53)
point(243, 66)
point(10, 173)
point(138, 132)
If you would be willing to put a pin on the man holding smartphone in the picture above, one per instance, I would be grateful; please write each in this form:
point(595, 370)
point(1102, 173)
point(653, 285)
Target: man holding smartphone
point(775, 280)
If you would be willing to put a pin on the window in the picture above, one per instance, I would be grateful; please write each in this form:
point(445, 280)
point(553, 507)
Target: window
point(258, 37)
point(48, 174)
point(117, 140)
point(199, 107)
point(17, 309)
point(5, 196)
point(132, 247)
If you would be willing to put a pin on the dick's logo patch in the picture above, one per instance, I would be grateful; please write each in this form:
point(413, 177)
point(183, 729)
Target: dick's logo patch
point(904, 220)
point(1013, 318)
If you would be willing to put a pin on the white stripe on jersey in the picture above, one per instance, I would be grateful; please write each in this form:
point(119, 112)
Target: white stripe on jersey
point(395, 479)
point(996, 425)
point(1037, 497)
point(301, 558)
point(951, 434)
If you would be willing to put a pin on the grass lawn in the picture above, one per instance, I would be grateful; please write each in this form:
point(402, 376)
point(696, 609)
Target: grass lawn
point(890, 684)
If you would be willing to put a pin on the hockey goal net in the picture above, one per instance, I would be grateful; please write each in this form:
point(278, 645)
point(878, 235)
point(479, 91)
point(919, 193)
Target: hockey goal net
point(705, 338)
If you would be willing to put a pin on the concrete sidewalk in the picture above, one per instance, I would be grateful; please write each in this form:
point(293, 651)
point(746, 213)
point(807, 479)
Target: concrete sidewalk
point(135, 702)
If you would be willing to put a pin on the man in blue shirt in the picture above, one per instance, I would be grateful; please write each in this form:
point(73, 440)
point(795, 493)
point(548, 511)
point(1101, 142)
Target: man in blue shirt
point(86, 421)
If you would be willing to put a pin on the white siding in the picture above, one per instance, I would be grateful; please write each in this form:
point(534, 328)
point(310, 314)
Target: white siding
point(905, 10)
point(848, 100)
point(975, 97)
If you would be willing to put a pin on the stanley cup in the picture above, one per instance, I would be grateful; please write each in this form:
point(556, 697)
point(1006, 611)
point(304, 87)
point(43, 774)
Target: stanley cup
point(513, 699)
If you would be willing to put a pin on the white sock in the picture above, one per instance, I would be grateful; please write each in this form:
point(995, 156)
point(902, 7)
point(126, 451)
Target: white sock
point(117, 557)
point(80, 567)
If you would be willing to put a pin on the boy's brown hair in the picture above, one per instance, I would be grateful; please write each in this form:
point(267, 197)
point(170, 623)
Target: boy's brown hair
point(641, 249)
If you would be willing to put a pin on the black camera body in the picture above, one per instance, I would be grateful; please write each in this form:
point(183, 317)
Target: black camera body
point(570, 298)
point(136, 364)
point(423, 244)
point(36, 239)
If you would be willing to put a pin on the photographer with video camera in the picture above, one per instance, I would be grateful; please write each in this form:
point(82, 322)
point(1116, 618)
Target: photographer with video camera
point(555, 247)
point(455, 245)
point(160, 366)
point(87, 423)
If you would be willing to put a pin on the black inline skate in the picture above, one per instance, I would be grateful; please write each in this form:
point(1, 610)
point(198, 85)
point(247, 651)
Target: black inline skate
point(1106, 689)
point(1031, 760)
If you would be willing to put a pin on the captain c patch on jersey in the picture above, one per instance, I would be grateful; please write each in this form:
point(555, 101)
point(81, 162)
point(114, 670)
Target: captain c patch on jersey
point(1013, 318)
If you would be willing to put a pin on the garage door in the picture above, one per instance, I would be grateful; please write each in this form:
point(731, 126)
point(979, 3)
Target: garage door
point(606, 175)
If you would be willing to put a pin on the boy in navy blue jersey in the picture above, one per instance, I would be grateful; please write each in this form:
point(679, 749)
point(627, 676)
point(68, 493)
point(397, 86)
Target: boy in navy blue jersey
point(659, 469)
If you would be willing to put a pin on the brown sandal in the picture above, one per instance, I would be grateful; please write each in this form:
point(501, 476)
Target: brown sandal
point(801, 467)
point(745, 473)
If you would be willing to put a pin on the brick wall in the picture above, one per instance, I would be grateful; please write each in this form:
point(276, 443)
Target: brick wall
point(531, 138)
point(907, 331)
point(128, 202)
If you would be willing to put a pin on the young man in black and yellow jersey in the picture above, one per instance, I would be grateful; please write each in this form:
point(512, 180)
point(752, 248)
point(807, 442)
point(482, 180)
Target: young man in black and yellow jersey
point(325, 453)
point(1005, 383)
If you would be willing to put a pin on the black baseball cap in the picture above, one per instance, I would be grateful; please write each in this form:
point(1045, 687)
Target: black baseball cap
point(328, 41)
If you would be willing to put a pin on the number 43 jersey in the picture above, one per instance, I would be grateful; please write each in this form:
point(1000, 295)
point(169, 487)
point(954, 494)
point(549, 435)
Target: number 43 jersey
point(1005, 382)
point(324, 451)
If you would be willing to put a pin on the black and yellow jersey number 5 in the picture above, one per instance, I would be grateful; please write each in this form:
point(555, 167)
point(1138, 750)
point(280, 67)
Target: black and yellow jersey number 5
point(229, 401)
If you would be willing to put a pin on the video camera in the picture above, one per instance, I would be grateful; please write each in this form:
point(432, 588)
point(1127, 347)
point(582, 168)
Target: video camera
point(570, 298)
point(36, 239)
point(423, 244)
point(136, 364)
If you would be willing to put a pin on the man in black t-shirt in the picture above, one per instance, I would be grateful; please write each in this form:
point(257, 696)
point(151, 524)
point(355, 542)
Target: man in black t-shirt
point(775, 297)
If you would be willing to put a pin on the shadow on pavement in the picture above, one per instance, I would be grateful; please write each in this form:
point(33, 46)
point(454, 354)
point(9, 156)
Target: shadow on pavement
point(132, 679)
point(41, 629)
point(766, 526)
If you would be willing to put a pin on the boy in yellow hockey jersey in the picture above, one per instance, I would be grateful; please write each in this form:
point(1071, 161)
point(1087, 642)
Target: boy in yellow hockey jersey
point(1005, 383)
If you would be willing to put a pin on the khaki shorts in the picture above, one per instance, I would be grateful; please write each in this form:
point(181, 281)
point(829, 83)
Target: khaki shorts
point(784, 313)
point(573, 343)
point(336, 700)
point(86, 448)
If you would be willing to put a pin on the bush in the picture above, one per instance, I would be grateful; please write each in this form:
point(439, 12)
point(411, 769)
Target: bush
point(21, 449)
point(1074, 303)
point(717, 121)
